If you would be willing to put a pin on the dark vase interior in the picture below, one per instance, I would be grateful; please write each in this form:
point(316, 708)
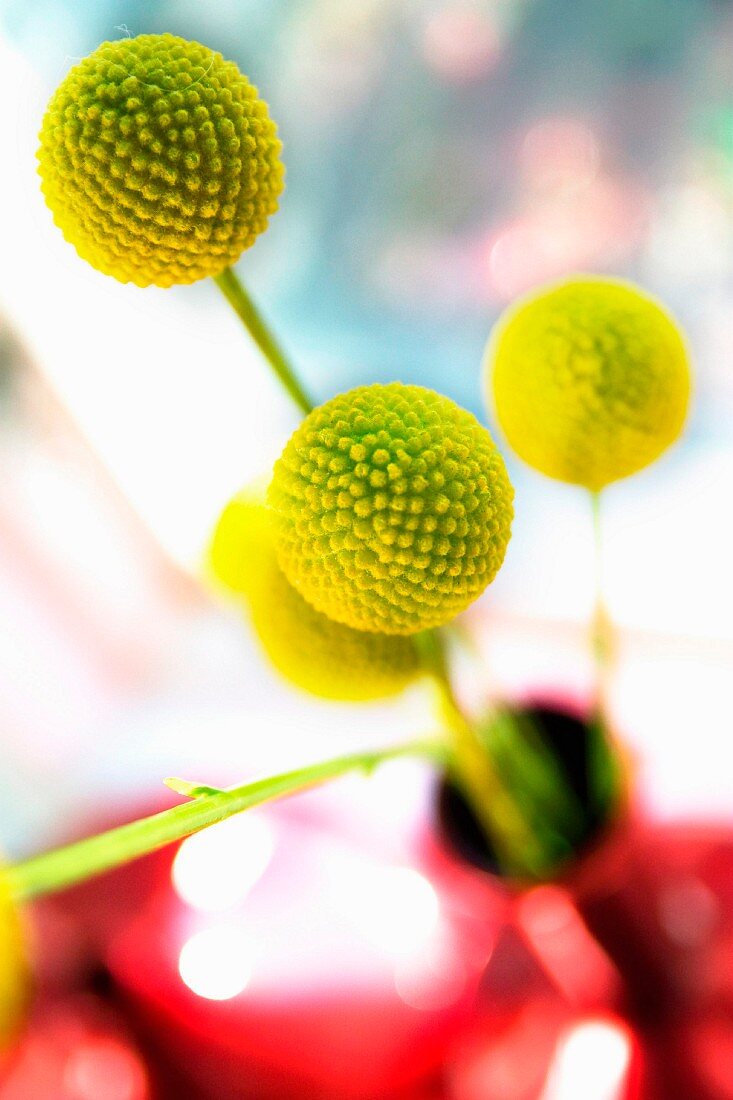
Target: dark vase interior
point(573, 745)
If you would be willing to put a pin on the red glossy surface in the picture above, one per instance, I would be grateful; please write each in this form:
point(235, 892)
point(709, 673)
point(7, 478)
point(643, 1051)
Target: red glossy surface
point(365, 978)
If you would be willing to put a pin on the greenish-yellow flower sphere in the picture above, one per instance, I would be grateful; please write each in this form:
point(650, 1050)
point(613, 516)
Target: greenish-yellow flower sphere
point(309, 650)
point(393, 509)
point(590, 380)
point(159, 160)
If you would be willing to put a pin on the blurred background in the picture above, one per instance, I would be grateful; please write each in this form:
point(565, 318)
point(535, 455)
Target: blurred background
point(443, 156)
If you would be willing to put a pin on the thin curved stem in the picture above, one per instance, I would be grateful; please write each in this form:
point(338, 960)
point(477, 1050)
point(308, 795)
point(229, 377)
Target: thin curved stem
point(253, 321)
point(602, 631)
point(55, 870)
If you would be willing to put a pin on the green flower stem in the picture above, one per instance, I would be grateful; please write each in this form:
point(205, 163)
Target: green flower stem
point(55, 870)
point(602, 632)
point(605, 765)
point(252, 319)
point(519, 850)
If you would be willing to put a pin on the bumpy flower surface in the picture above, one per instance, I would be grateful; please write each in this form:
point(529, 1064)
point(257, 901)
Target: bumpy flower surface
point(159, 160)
point(310, 650)
point(393, 508)
point(591, 380)
point(14, 983)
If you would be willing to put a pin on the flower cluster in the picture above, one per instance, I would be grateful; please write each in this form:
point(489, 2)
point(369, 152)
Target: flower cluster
point(390, 508)
point(389, 512)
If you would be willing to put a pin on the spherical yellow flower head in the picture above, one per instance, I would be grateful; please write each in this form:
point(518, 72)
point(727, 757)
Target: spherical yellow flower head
point(393, 508)
point(14, 979)
point(159, 160)
point(591, 380)
point(310, 650)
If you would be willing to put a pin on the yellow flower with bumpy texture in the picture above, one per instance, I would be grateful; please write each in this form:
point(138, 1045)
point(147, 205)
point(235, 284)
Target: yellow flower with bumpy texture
point(159, 161)
point(591, 380)
point(393, 508)
point(310, 650)
point(14, 977)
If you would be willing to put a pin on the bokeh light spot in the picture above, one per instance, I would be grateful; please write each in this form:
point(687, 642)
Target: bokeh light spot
point(460, 44)
point(104, 1069)
point(215, 869)
point(216, 963)
point(590, 1063)
point(395, 909)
